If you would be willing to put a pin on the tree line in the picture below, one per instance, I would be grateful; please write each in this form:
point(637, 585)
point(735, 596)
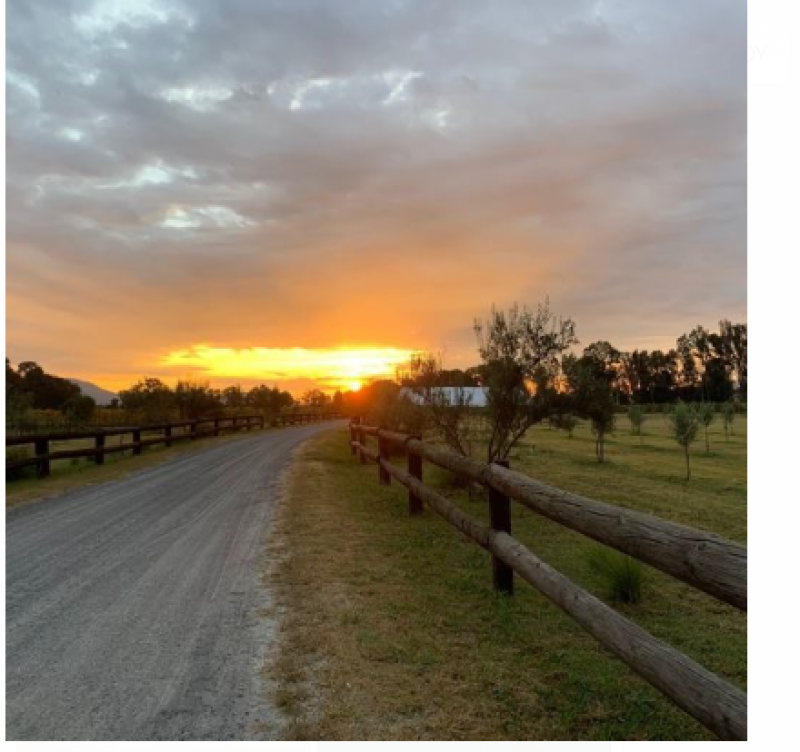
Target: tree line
point(30, 388)
point(530, 373)
point(705, 365)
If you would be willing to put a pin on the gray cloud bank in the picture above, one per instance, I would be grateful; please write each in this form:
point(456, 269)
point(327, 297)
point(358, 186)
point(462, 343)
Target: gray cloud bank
point(314, 173)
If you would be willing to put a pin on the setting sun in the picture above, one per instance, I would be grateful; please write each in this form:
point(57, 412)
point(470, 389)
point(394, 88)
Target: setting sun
point(334, 368)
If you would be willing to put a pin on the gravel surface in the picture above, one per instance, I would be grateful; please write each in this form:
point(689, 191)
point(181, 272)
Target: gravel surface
point(133, 609)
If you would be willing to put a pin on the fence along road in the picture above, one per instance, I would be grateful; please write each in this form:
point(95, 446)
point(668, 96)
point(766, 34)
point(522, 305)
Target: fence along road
point(701, 559)
point(132, 608)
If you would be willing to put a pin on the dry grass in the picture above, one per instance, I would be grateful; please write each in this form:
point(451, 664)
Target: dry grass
point(390, 628)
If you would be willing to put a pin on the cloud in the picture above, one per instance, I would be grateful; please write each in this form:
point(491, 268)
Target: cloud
point(303, 174)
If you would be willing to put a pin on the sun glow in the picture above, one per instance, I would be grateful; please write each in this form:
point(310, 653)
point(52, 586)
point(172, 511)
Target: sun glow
point(335, 368)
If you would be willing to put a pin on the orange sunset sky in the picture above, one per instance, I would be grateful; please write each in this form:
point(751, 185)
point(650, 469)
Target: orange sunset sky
point(302, 193)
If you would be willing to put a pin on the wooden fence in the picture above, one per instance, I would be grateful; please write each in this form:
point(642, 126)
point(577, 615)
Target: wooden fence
point(190, 430)
point(704, 560)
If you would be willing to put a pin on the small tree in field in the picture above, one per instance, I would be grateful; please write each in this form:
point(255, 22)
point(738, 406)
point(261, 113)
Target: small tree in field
point(683, 425)
point(518, 348)
point(728, 416)
point(636, 416)
point(592, 398)
point(705, 414)
point(445, 408)
point(565, 422)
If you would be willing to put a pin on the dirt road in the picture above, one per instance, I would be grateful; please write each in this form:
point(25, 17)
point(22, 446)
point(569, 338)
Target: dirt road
point(134, 608)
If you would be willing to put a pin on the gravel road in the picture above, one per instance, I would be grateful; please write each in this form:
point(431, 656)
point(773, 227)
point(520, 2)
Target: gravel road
point(133, 609)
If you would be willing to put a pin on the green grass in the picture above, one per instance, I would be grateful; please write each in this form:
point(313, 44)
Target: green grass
point(392, 630)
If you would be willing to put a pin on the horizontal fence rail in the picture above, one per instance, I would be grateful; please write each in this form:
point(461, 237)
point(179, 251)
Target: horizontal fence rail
point(191, 430)
point(703, 560)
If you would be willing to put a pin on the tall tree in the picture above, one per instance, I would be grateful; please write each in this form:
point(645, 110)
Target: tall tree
point(515, 345)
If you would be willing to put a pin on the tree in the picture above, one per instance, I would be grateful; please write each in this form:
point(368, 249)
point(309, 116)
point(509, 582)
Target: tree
point(728, 416)
point(718, 384)
point(683, 425)
point(705, 416)
point(445, 407)
point(79, 409)
point(269, 401)
point(515, 346)
point(47, 392)
point(18, 402)
point(150, 399)
point(565, 422)
point(233, 396)
point(195, 399)
point(593, 399)
point(636, 415)
point(734, 344)
point(315, 398)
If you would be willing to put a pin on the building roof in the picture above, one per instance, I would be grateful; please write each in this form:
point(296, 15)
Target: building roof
point(451, 395)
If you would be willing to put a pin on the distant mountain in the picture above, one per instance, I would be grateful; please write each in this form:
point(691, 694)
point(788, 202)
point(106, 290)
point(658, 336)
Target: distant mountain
point(98, 394)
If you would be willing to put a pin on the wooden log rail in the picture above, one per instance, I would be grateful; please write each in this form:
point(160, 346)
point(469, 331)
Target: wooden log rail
point(192, 430)
point(292, 419)
point(703, 560)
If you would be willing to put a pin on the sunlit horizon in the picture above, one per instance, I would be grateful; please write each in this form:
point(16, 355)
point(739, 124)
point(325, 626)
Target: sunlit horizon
point(337, 368)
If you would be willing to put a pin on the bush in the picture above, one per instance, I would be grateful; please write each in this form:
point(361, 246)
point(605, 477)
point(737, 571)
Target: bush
point(705, 416)
point(636, 415)
point(18, 453)
point(728, 416)
point(623, 576)
point(564, 422)
point(683, 426)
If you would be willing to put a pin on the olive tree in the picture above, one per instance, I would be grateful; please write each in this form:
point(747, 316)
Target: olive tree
point(683, 426)
point(728, 416)
point(636, 415)
point(518, 346)
point(705, 415)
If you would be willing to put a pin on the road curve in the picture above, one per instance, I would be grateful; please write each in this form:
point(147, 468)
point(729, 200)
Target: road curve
point(133, 608)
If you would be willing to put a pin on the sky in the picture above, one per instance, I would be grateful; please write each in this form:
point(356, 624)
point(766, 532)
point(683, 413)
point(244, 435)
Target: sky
point(301, 193)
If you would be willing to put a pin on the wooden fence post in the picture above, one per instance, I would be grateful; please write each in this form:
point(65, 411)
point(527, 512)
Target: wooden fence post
point(415, 505)
point(234, 423)
point(500, 516)
point(383, 454)
point(43, 466)
point(193, 428)
point(168, 436)
point(216, 426)
point(362, 439)
point(352, 439)
point(137, 442)
point(99, 445)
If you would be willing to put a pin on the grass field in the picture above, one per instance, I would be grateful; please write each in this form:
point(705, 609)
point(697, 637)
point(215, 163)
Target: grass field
point(391, 630)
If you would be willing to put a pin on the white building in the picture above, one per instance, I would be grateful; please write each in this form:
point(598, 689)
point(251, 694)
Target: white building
point(451, 395)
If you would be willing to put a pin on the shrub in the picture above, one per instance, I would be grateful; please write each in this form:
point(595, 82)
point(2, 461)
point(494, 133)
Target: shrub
point(18, 453)
point(683, 426)
point(636, 415)
point(728, 416)
point(622, 575)
point(568, 423)
point(705, 415)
